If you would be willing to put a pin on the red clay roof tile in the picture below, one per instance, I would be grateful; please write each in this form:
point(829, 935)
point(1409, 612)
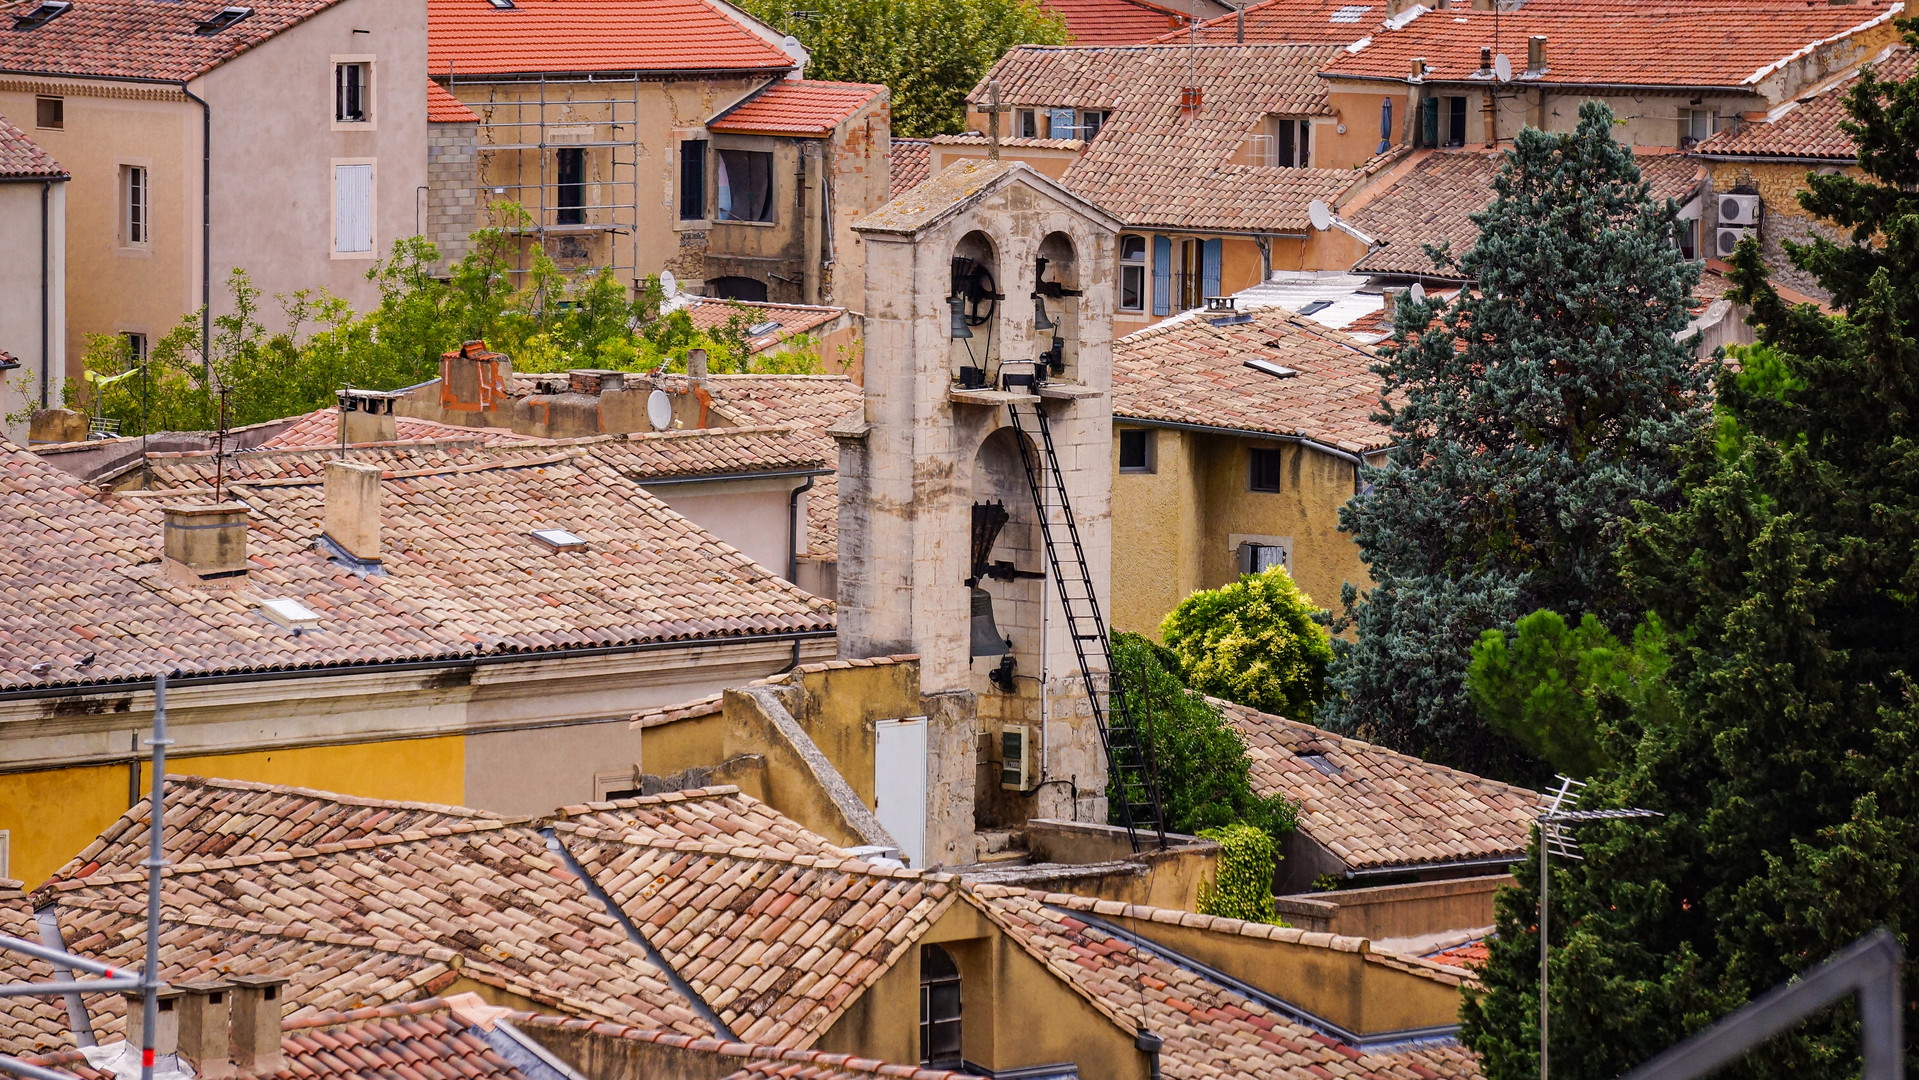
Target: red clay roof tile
point(1115, 22)
point(22, 159)
point(1808, 127)
point(142, 39)
point(797, 107)
point(472, 37)
point(443, 108)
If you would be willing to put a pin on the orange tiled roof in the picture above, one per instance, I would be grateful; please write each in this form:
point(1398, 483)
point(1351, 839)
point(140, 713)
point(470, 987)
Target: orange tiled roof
point(1115, 22)
point(1153, 166)
point(757, 1062)
point(1718, 45)
point(321, 427)
point(457, 553)
point(709, 313)
point(910, 161)
point(1339, 22)
point(141, 39)
point(443, 108)
point(1372, 807)
point(1210, 1029)
point(1432, 202)
point(22, 159)
point(27, 1025)
point(472, 37)
point(1189, 371)
point(1809, 127)
point(796, 107)
point(1470, 955)
point(699, 819)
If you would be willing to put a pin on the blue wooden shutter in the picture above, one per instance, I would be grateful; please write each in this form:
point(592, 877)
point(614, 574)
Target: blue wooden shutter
point(1162, 276)
point(1209, 268)
point(1060, 124)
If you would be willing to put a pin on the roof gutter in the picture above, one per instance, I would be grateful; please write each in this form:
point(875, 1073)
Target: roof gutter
point(1212, 429)
point(1533, 84)
point(715, 478)
point(1420, 868)
point(178, 679)
point(1776, 159)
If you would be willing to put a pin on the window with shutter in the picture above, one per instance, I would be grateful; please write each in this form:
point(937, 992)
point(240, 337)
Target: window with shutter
point(352, 208)
point(1162, 275)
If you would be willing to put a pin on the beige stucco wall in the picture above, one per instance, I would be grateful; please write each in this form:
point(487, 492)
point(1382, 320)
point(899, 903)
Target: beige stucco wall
point(1783, 219)
point(32, 214)
point(751, 515)
point(1174, 529)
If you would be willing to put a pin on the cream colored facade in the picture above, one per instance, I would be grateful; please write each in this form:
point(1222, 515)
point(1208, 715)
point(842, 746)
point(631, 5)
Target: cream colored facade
point(1177, 529)
point(33, 224)
point(270, 169)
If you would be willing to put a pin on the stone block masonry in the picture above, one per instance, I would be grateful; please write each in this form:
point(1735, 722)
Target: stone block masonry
point(455, 202)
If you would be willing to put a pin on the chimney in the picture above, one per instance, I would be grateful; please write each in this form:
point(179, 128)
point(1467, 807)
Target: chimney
point(166, 1029)
point(1417, 69)
point(1485, 58)
point(255, 1025)
point(353, 509)
point(594, 381)
point(696, 363)
point(1536, 53)
point(366, 416)
point(204, 542)
point(1391, 296)
point(203, 1028)
point(474, 378)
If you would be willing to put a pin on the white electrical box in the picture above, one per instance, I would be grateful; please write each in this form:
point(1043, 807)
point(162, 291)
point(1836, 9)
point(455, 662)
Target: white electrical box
point(1016, 757)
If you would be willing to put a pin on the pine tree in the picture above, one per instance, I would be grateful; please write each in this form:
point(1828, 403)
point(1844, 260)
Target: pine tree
point(1529, 416)
point(1790, 775)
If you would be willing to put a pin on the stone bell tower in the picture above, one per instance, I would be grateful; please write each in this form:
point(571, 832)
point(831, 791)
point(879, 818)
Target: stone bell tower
point(989, 297)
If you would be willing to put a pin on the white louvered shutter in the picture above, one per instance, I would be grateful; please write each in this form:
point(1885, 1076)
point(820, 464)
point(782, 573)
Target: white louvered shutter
point(353, 208)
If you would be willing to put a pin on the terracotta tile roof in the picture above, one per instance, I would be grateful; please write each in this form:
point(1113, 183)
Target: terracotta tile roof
point(140, 39)
point(1151, 165)
point(1469, 955)
point(215, 819)
point(443, 108)
point(1189, 371)
point(476, 38)
point(1115, 22)
point(910, 161)
point(1808, 127)
point(96, 605)
point(27, 1025)
point(1210, 1029)
point(1432, 202)
point(709, 313)
point(1372, 807)
point(796, 107)
point(321, 428)
point(710, 705)
point(22, 159)
point(699, 819)
point(777, 946)
point(931, 199)
point(1338, 22)
point(1678, 45)
point(812, 403)
point(758, 1061)
point(974, 138)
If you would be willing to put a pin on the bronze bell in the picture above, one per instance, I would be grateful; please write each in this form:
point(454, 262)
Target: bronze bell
point(987, 640)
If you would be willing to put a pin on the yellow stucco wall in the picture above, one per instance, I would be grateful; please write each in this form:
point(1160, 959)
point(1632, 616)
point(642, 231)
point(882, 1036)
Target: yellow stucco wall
point(51, 815)
point(1173, 528)
point(678, 746)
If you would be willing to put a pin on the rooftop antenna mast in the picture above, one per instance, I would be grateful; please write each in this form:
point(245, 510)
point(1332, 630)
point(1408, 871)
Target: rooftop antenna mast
point(220, 449)
point(111, 979)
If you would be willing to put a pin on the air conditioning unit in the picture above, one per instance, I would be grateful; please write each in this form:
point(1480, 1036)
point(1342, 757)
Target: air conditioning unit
point(1016, 757)
point(1739, 210)
point(1726, 239)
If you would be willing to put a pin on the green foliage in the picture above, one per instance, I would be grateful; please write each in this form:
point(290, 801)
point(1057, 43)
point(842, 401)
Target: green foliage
point(1254, 642)
point(1242, 885)
point(550, 321)
point(930, 53)
point(1531, 416)
point(1552, 685)
point(1204, 774)
point(1762, 372)
point(1789, 774)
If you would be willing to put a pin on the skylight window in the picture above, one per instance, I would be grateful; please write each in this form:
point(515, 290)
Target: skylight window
point(1271, 368)
point(291, 614)
point(503, 5)
point(1320, 762)
point(221, 19)
point(1315, 307)
point(41, 14)
point(559, 540)
point(763, 329)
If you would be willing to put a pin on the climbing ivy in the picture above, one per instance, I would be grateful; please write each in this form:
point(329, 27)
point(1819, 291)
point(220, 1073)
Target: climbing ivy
point(1242, 887)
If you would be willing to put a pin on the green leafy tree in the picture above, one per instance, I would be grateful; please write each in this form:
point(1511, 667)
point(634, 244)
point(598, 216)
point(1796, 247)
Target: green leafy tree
point(1530, 416)
point(1205, 778)
point(1242, 883)
point(929, 53)
point(1790, 777)
point(1254, 642)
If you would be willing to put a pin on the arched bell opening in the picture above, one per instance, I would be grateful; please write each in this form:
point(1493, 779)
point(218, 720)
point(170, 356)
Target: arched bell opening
point(1004, 569)
point(975, 301)
point(1056, 308)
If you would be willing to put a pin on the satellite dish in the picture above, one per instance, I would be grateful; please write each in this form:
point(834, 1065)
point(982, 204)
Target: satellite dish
point(669, 285)
point(1321, 217)
point(1503, 68)
point(1418, 293)
point(659, 410)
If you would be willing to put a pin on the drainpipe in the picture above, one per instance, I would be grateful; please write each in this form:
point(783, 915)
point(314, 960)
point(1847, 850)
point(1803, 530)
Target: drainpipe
point(77, 1020)
point(46, 289)
point(206, 224)
point(811, 162)
point(793, 548)
point(1149, 1044)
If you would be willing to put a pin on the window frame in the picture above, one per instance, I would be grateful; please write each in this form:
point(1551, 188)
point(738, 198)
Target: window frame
point(373, 209)
point(567, 212)
point(40, 103)
point(723, 213)
point(1458, 114)
point(1689, 124)
point(1292, 142)
point(1256, 475)
point(694, 179)
point(1026, 123)
point(130, 172)
point(928, 1021)
point(368, 82)
point(1133, 267)
point(1149, 451)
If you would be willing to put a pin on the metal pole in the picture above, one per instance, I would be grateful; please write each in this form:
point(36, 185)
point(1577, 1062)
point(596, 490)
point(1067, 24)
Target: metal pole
point(1545, 879)
point(156, 813)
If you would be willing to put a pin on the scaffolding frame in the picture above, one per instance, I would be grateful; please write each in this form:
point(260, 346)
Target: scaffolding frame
point(516, 126)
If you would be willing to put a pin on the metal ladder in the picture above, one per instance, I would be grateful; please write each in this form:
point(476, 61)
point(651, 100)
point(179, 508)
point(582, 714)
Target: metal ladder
point(1129, 752)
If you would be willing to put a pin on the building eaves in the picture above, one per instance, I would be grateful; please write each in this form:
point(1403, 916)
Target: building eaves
point(143, 41)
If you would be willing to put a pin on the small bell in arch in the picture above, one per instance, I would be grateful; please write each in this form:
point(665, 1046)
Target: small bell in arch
point(960, 329)
point(1040, 321)
point(987, 640)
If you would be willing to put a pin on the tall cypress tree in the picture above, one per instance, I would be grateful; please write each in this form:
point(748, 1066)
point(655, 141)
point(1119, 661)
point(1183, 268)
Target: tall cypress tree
point(1529, 416)
point(1790, 777)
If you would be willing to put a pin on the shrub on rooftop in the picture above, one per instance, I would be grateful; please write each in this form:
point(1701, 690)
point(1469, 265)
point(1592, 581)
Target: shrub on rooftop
point(1254, 642)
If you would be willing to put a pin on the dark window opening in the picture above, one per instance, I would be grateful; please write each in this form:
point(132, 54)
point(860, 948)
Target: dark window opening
point(692, 179)
point(1135, 450)
point(1132, 273)
point(1265, 470)
point(349, 93)
point(1028, 124)
point(939, 1009)
point(570, 197)
point(1455, 121)
point(222, 19)
point(50, 112)
point(41, 14)
point(748, 289)
point(746, 185)
point(1292, 144)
